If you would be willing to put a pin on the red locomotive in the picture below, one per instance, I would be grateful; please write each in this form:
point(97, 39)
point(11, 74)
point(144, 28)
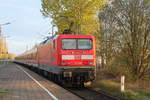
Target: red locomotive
point(69, 59)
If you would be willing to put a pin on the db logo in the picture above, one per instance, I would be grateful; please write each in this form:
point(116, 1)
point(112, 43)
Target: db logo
point(77, 56)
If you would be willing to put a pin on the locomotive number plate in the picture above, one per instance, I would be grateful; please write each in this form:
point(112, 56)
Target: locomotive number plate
point(77, 57)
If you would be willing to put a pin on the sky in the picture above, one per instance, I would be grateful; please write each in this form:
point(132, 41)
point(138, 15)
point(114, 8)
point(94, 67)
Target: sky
point(27, 27)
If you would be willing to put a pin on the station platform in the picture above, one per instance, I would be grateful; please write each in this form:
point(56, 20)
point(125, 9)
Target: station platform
point(19, 83)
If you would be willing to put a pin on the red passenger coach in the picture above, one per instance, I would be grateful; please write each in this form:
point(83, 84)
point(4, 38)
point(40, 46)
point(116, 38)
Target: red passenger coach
point(69, 59)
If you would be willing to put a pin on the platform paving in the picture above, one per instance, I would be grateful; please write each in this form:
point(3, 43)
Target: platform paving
point(19, 83)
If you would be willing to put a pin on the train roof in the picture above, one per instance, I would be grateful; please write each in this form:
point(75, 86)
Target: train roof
point(75, 36)
point(65, 36)
point(34, 49)
point(47, 39)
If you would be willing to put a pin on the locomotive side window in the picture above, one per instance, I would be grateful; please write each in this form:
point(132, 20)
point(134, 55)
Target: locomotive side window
point(54, 44)
point(84, 44)
point(69, 44)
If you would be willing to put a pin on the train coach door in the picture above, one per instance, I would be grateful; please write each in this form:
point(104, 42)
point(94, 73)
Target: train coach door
point(37, 57)
point(54, 51)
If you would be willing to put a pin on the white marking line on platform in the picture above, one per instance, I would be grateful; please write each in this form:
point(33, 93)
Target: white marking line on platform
point(49, 93)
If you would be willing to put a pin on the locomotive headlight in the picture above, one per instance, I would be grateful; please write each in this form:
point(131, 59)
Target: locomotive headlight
point(91, 62)
point(87, 57)
point(67, 74)
point(64, 63)
point(67, 57)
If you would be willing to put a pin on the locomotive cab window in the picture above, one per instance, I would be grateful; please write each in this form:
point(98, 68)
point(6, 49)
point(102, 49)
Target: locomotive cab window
point(84, 44)
point(68, 44)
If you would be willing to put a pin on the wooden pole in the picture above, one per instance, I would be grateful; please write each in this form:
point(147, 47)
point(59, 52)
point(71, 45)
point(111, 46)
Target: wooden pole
point(122, 83)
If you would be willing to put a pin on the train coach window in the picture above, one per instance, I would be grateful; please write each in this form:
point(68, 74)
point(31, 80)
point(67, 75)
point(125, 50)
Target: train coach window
point(69, 44)
point(84, 44)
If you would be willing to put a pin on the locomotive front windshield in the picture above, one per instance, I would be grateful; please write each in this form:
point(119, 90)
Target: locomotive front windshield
point(68, 44)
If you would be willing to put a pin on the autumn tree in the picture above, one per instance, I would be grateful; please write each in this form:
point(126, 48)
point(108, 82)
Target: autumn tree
point(126, 35)
point(77, 15)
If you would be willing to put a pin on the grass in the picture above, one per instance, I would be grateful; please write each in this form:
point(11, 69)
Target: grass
point(132, 92)
point(1, 62)
point(3, 93)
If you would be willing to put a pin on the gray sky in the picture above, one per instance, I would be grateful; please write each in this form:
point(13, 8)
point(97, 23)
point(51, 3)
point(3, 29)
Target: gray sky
point(27, 27)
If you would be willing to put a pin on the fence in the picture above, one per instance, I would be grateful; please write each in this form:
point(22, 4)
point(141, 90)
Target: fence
point(5, 61)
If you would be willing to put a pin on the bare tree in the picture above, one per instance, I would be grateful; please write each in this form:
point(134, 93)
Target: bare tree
point(126, 35)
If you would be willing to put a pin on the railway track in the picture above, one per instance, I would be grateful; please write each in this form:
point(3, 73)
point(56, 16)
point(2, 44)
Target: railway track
point(86, 93)
point(89, 94)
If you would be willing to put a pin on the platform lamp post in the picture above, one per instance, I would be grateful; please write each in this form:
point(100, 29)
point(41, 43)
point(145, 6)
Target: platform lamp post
point(1, 27)
point(1, 37)
point(53, 29)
